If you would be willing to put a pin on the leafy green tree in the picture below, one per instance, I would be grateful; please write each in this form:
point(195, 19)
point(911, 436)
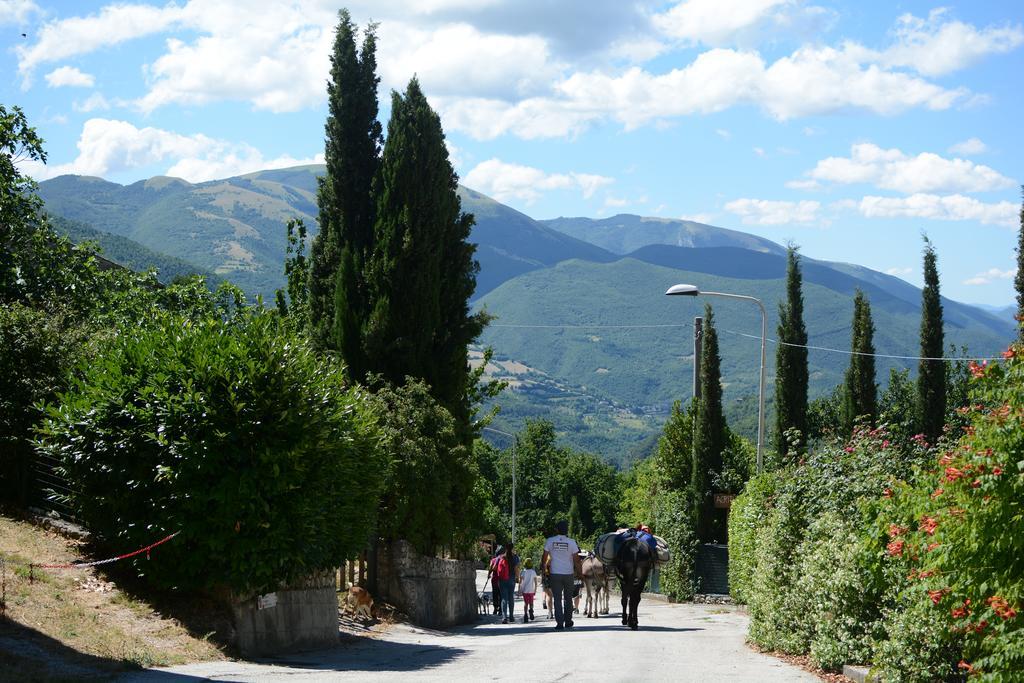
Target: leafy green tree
point(710, 437)
point(230, 430)
point(860, 397)
point(791, 376)
point(19, 203)
point(674, 455)
point(826, 414)
point(427, 463)
point(296, 270)
point(422, 271)
point(931, 375)
point(1018, 280)
point(345, 198)
point(897, 406)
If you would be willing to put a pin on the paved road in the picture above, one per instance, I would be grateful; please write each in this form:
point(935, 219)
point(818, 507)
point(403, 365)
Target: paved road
point(675, 643)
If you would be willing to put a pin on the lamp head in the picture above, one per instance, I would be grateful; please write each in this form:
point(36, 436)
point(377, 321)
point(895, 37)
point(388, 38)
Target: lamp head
point(683, 290)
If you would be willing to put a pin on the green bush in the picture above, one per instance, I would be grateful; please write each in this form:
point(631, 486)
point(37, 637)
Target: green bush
point(673, 523)
point(747, 515)
point(231, 432)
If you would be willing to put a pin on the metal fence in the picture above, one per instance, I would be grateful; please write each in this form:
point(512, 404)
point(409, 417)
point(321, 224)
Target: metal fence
point(51, 487)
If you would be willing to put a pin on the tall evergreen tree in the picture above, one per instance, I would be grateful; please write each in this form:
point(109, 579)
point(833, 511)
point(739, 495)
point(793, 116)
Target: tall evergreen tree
point(345, 198)
point(422, 271)
point(709, 434)
point(931, 375)
point(791, 361)
point(1018, 282)
point(575, 521)
point(860, 395)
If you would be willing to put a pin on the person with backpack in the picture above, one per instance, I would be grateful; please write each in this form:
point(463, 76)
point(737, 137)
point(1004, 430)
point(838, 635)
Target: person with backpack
point(507, 571)
point(561, 562)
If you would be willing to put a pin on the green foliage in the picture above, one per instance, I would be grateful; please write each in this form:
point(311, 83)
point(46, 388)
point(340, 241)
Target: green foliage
point(344, 196)
point(19, 204)
point(825, 416)
point(575, 523)
point(931, 374)
point(898, 405)
point(710, 436)
point(674, 523)
point(747, 517)
point(640, 486)
point(202, 426)
point(674, 456)
point(37, 349)
point(421, 274)
point(860, 402)
point(791, 374)
point(429, 472)
point(548, 478)
point(296, 269)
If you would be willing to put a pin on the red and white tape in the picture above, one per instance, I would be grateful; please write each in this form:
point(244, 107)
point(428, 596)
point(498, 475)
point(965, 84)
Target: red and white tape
point(83, 565)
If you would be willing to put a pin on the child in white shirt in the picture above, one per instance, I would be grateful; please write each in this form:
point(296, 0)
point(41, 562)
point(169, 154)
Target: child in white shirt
point(528, 587)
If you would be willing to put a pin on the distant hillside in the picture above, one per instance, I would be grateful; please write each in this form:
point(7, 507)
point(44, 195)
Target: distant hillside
point(608, 374)
point(236, 227)
point(129, 253)
point(625, 233)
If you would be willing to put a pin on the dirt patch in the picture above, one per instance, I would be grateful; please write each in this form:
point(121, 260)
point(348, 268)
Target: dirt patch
point(73, 623)
point(804, 662)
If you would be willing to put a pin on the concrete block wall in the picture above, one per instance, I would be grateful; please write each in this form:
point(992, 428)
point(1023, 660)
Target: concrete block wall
point(435, 593)
point(304, 617)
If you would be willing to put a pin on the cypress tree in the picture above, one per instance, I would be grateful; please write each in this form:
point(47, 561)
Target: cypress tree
point(575, 521)
point(791, 361)
point(709, 433)
point(422, 271)
point(344, 196)
point(860, 396)
point(1018, 281)
point(931, 376)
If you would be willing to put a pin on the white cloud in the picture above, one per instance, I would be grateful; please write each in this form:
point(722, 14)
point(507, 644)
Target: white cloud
point(899, 272)
point(770, 212)
point(954, 207)
point(109, 146)
point(805, 185)
point(739, 22)
point(723, 133)
point(990, 276)
point(615, 202)
point(969, 147)
point(505, 181)
point(935, 47)
point(94, 102)
point(69, 76)
point(16, 11)
point(892, 169)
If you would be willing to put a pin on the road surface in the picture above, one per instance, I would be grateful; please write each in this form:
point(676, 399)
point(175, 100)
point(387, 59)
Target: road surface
point(675, 643)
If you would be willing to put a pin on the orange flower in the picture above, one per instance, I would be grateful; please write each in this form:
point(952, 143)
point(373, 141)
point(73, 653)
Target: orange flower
point(895, 548)
point(976, 483)
point(887, 493)
point(932, 546)
point(936, 493)
point(965, 666)
point(997, 470)
point(929, 525)
point(936, 595)
point(1009, 353)
point(897, 530)
point(952, 474)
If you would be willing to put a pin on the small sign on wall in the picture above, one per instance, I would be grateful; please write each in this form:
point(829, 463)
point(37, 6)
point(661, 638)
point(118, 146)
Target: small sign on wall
point(265, 601)
point(723, 501)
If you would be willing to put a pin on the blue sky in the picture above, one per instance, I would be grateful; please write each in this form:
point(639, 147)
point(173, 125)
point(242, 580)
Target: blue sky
point(846, 127)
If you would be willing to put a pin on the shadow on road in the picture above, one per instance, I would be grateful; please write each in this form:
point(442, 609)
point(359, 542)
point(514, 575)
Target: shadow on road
point(579, 627)
point(374, 655)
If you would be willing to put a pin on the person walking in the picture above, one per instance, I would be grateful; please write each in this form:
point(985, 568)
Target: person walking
point(493, 578)
point(528, 587)
point(561, 562)
point(507, 570)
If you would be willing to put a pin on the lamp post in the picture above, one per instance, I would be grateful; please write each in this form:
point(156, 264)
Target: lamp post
point(511, 436)
point(693, 290)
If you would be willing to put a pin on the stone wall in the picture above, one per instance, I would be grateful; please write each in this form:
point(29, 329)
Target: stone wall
point(302, 616)
point(435, 593)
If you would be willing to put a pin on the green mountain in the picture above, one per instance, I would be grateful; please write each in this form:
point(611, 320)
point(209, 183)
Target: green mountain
point(625, 233)
point(561, 299)
point(129, 253)
point(607, 387)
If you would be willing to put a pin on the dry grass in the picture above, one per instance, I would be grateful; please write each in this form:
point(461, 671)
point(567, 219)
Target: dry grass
point(68, 623)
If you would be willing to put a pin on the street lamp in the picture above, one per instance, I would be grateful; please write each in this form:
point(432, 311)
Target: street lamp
point(693, 290)
point(513, 437)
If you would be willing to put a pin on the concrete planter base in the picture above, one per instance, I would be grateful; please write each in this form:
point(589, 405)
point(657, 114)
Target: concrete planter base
point(294, 618)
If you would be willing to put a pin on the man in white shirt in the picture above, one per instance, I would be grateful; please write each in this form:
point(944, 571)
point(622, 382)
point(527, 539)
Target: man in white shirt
point(561, 562)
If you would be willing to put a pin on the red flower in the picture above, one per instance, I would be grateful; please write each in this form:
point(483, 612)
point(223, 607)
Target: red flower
point(1009, 353)
point(976, 483)
point(963, 611)
point(1001, 607)
point(925, 574)
point(932, 546)
point(895, 548)
point(936, 493)
point(977, 370)
point(936, 596)
point(997, 470)
point(965, 666)
point(928, 525)
point(887, 493)
point(946, 459)
point(897, 530)
point(952, 474)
